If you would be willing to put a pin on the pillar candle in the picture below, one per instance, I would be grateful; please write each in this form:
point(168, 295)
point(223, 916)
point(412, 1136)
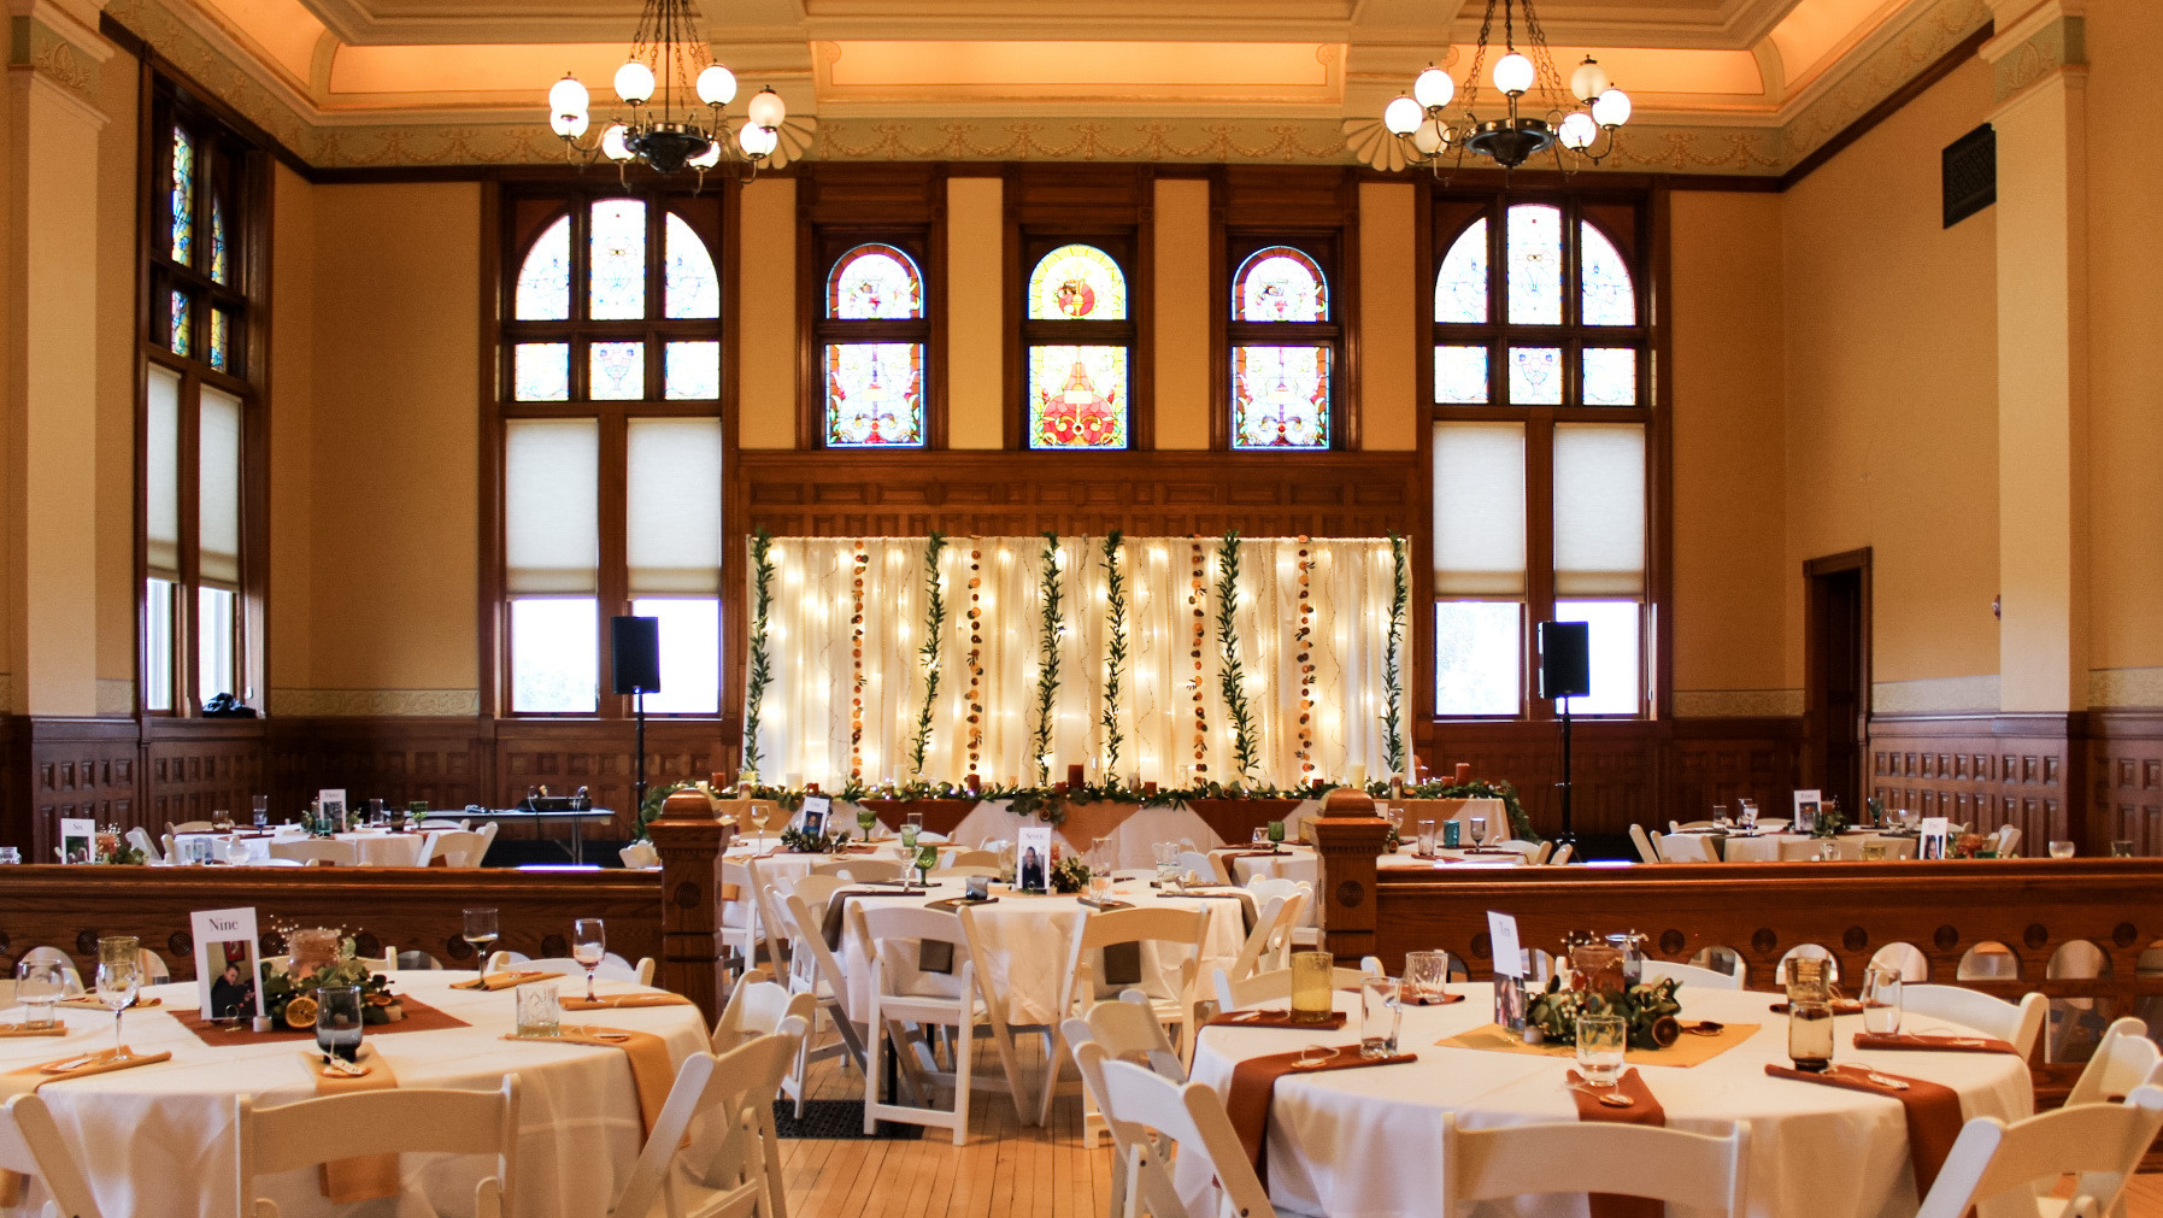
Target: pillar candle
point(1464, 772)
point(1074, 781)
point(1359, 774)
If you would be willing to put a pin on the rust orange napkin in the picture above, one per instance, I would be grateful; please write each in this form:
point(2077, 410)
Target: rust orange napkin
point(1646, 1111)
point(1933, 1112)
point(89, 1002)
point(1254, 1089)
point(613, 1002)
point(1944, 1044)
point(1274, 1019)
point(503, 981)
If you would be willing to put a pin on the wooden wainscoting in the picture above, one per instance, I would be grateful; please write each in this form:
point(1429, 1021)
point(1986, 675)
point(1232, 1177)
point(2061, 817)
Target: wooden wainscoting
point(399, 760)
point(1987, 771)
point(2125, 772)
point(73, 768)
point(598, 754)
point(193, 767)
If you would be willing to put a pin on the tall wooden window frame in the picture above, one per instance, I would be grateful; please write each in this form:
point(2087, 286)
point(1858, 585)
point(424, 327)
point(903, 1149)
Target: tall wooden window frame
point(835, 243)
point(232, 180)
point(1117, 244)
point(520, 214)
point(1325, 249)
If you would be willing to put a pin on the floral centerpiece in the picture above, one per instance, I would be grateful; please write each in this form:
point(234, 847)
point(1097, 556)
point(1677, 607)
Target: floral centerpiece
point(797, 840)
point(114, 849)
point(320, 957)
point(1070, 875)
point(1648, 1008)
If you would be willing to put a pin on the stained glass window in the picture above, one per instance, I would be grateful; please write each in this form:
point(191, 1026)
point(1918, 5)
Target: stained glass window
point(1535, 265)
point(1610, 376)
point(1610, 300)
point(872, 282)
point(541, 372)
point(690, 287)
point(616, 372)
point(1535, 376)
point(183, 195)
point(221, 340)
point(1280, 397)
point(1077, 283)
point(1460, 374)
point(1077, 397)
point(1280, 284)
point(544, 279)
point(220, 261)
point(692, 370)
point(1460, 291)
point(617, 261)
point(874, 394)
point(178, 338)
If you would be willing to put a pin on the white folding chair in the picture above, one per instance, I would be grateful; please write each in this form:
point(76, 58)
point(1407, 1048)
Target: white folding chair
point(813, 968)
point(860, 870)
point(316, 850)
point(1646, 851)
point(1191, 1118)
point(1301, 920)
point(741, 923)
point(989, 873)
point(639, 856)
point(359, 1124)
point(459, 849)
point(189, 826)
point(1277, 983)
point(2100, 1143)
point(1688, 848)
point(758, 1008)
point(1678, 826)
point(905, 1001)
point(139, 838)
point(612, 967)
point(1170, 930)
point(153, 967)
point(2017, 1024)
point(1199, 864)
point(1561, 856)
point(734, 1154)
point(1693, 975)
point(953, 859)
point(1126, 1031)
point(1270, 934)
point(2124, 1059)
point(2008, 840)
point(31, 1145)
point(1703, 1172)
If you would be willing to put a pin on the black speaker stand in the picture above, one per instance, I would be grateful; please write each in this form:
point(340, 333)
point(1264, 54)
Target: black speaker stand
point(1568, 836)
point(638, 715)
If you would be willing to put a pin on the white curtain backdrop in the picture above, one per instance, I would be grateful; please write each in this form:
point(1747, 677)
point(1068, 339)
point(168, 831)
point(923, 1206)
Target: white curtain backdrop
point(805, 718)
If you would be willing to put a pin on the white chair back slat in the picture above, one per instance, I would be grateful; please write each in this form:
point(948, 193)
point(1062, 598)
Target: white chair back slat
point(1646, 851)
point(1701, 1171)
point(31, 1145)
point(1191, 1118)
point(730, 1156)
point(2100, 1143)
point(1697, 976)
point(2125, 1059)
point(2017, 1024)
point(366, 1123)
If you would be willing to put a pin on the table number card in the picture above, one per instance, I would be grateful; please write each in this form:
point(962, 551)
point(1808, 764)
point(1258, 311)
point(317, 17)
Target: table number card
point(330, 803)
point(78, 840)
point(226, 974)
point(811, 818)
point(1509, 961)
point(1806, 811)
point(1931, 843)
point(1032, 860)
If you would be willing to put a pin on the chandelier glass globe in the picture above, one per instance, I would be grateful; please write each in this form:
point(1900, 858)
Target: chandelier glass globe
point(570, 126)
point(1513, 74)
point(755, 140)
point(1612, 109)
point(1578, 131)
point(634, 83)
point(612, 145)
point(1589, 80)
point(1430, 138)
point(717, 86)
point(707, 159)
point(1403, 116)
point(1434, 88)
point(767, 109)
point(567, 96)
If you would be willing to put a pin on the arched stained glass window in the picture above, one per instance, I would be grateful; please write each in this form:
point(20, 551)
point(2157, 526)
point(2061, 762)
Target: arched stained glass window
point(1283, 349)
point(1279, 284)
point(1460, 291)
point(544, 280)
point(221, 263)
point(691, 288)
point(1610, 298)
point(617, 264)
point(1078, 283)
point(873, 343)
point(873, 282)
point(182, 206)
point(1534, 289)
point(1080, 341)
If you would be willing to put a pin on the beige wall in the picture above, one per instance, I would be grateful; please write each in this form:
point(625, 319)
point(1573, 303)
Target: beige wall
point(1891, 400)
point(1389, 342)
point(116, 390)
point(975, 317)
point(766, 333)
point(292, 432)
point(1182, 313)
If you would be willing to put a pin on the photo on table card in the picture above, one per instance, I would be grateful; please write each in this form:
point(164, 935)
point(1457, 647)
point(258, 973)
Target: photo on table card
point(1930, 844)
point(1032, 860)
point(1806, 811)
point(811, 818)
point(78, 840)
point(331, 803)
point(225, 963)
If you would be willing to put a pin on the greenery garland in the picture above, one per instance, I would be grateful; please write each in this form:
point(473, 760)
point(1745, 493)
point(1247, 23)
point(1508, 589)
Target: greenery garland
point(1115, 653)
point(1520, 824)
point(762, 596)
point(1047, 675)
point(1393, 656)
point(934, 627)
point(1231, 676)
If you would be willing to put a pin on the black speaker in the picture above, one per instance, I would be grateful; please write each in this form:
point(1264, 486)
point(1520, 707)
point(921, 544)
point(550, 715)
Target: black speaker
point(635, 643)
point(1565, 659)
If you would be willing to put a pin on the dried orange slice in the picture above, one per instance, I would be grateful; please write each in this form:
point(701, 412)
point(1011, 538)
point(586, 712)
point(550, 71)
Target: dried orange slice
point(300, 1012)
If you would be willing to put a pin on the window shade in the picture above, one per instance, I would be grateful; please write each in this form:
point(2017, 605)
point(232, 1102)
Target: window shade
point(1479, 509)
point(1599, 509)
point(675, 506)
point(551, 505)
point(218, 495)
point(161, 476)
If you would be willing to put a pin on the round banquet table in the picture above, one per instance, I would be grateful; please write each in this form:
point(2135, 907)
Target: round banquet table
point(1028, 940)
point(1367, 1143)
point(374, 849)
point(774, 866)
point(1766, 847)
point(157, 1141)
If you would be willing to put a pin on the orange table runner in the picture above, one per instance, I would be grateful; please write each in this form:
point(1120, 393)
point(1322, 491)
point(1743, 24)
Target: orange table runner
point(1646, 1111)
point(614, 1002)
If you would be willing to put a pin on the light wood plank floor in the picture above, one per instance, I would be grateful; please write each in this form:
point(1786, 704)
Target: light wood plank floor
point(1008, 1169)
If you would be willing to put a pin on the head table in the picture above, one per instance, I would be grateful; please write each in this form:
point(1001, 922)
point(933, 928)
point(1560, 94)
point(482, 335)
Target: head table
point(1368, 1142)
point(157, 1141)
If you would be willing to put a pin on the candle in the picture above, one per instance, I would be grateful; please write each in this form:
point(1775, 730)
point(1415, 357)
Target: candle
point(1149, 786)
point(1074, 778)
point(1359, 774)
point(811, 788)
point(1464, 772)
point(794, 779)
point(973, 783)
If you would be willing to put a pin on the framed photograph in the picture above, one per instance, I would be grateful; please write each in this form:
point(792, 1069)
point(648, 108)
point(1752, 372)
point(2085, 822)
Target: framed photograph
point(1806, 811)
point(1032, 860)
point(813, 815)
point(225, 964)
point(1931, 843)
point(78, 840)
point(332, 801)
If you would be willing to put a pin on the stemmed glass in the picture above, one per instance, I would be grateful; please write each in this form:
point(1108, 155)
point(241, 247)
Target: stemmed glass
point(865, 819)
point(481, 933)
point(589, 944)
point(120, 979)
point(262, 811)
point(760, 813)
point(1479, 830)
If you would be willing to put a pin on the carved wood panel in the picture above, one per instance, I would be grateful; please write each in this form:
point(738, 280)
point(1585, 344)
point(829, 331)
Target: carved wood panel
point(194, 768)
point(80, 768)
point(2125, 774)
point(1979, 770)
point(600, 756)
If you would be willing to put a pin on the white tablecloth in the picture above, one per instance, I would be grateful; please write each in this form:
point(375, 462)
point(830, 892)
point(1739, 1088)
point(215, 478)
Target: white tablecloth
point(372, 849)
point(157, 1141)
point(1029, 940)
point(1367, 1143)
point(1132, 843)
point(1766, 848)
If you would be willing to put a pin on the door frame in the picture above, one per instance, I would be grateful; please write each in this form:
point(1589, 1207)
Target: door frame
point(1814, 708)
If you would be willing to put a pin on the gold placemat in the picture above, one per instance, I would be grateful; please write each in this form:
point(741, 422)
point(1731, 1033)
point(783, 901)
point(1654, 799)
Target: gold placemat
point(1690, 1050)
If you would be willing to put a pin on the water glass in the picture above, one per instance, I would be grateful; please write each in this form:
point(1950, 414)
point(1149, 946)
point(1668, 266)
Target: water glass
point(38, 985)
point(1276, 833)
point(1426, 838)
point(1311, 976)
point(1749, 815)
point(589, 946)
point(2118, 850)
point(262, 811)
point(1601, 1040)
point(1426, 976)
point(1259, 838)
point(2061, 850)
point(1873, 852)
point(1479, 830)
point(540, 1012)
point(1378, 1015)
point(338, 1021)
point(1100, 887)
point(1881, 999)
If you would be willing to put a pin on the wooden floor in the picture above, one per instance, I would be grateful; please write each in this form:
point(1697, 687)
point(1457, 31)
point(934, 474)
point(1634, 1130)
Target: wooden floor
point(1008, 1169)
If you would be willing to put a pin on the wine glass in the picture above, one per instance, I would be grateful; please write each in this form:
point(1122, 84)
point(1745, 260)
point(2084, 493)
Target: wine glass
point(38, 985)
point(865, 819)
point(262, 811)
point(760, 814)
point(589, 944)
point(1276, 835)
point(120, 979)
point(1479, 830)
point(481, 933)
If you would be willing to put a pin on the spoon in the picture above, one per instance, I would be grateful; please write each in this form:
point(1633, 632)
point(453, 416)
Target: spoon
point(1608, 1096)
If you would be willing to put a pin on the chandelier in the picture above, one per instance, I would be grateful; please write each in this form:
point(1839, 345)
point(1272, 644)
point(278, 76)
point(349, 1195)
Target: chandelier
point(669, 64)
point(1538, 115)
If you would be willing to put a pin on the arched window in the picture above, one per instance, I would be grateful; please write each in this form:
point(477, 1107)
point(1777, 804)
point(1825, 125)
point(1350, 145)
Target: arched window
point(1283, 341)
point(872, 340)
point(611, 448)
point(1080, 339)
point(1541, 380)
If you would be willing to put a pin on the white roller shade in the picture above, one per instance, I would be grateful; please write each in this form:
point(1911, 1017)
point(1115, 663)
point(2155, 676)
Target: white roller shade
point(674, 519)
point(1599, 509)
point(218, 490)
point(551, 505)
point(161, 475)
point(1479, 509)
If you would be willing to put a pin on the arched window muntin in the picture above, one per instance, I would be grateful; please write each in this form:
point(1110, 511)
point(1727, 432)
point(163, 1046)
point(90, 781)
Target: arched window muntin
point(1284, 351)
point(638, 320)
point(1078, 337)
point(874, 346)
